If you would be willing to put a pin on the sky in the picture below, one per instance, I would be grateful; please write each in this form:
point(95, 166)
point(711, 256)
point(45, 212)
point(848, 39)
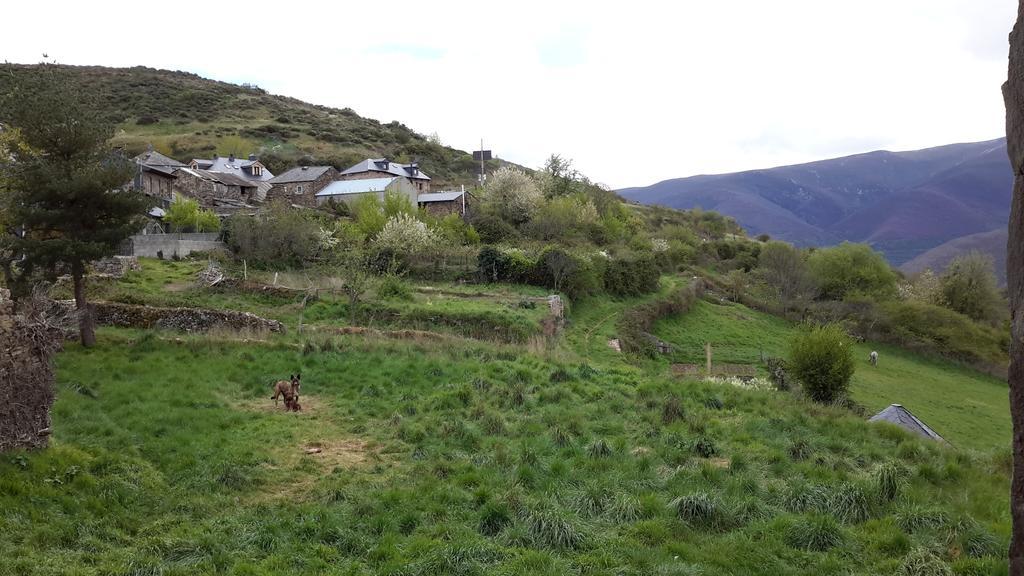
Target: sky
point(633, 92)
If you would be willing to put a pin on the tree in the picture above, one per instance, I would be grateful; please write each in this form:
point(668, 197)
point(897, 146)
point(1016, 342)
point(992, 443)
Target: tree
point(66, 187)
point(512, 194)
point(185, 214)
point(969, 286)
point(852, 269)
point(785, 269)
point(404, 234)
point(821, 358)
point(1013, 95)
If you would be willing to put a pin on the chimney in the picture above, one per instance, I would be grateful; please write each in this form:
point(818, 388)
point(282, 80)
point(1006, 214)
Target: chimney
point(304, 168)
point(231, 158)
point(252, 157)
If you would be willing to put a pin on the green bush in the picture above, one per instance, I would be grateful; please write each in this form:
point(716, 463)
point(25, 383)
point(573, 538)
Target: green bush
point(850, 269)
point(632, 275)
point(951, 333)
point(822, 360)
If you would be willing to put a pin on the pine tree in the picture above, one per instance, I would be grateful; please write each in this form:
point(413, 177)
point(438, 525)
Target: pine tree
point(65, 186)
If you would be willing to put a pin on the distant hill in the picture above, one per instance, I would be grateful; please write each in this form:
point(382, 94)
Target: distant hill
point(184, 116)
point(992, 242)
point(902, 203)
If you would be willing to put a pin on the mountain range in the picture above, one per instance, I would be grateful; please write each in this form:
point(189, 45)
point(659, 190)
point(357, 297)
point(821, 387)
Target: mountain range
point(920, 208)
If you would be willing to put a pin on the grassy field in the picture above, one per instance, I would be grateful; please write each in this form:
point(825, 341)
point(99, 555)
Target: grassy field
point(474, 457)
point(966, 407)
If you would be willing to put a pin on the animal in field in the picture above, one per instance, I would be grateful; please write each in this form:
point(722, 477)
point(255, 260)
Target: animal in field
point(873, 358)
point(288, 390)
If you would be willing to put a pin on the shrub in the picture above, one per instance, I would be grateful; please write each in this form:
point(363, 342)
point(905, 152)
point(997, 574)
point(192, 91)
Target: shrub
point(395, 287)
point(184, 214)
point(822, 360)
point(404, 234)
point(850, 269)
point(280, 237)
point(950, 332)
point(672, 410)
point(512, 194)
point(969, 286)
point(704, 447)
point(816, 533)
point(632, 275)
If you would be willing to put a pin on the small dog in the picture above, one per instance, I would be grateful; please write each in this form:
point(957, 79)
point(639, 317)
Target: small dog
point(288, 390)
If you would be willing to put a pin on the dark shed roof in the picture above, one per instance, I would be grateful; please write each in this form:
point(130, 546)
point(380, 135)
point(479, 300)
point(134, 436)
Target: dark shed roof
point(900, 416)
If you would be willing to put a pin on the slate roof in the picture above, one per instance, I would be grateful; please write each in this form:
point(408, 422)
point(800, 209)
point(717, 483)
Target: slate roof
point(223, 177)
point(300, 174)
point(439, 196)
point(900, 416)
point(385, 165)
point(341, 187)
point(152, 158)
point(237, 166)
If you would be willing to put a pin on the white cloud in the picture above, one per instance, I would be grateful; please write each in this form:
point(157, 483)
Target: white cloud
point(700, 86)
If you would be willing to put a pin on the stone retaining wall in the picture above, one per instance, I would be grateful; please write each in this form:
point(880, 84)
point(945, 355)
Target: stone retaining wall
point(183, 319)
point(169, 245)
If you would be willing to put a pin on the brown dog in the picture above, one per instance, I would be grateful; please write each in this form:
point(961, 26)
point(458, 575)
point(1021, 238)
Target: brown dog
point(288, 390)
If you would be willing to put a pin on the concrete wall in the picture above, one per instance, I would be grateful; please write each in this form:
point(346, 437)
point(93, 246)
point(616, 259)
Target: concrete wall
point(171, 244)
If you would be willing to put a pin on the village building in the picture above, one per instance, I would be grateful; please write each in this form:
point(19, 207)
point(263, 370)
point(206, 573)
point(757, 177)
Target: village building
point(212, 189)
point(251, 170)
point(300, 185)
point(155, 176)
point(349, 191)
point(442, 204)
point(900, 416)
point(384, 168)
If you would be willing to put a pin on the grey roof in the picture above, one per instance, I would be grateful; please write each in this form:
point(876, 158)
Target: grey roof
point(900, 416)
point(238, 166)
point(300, 174)
point(152, 159)
point(340, 187)
point(385, 165)
point(226, 178)
point(439, 196)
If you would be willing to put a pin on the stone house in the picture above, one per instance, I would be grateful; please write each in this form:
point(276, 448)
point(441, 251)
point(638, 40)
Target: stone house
point(213, 189)
point(156, 176)
point(384, 168)
point(349, 191)
point(442, 204)
point(251, 170)
point(301, 184)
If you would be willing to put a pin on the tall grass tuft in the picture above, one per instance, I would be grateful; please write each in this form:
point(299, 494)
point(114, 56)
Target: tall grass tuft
point(599, 449)
point(816, 533)
point(849, 502)
point(922, 562)
point(890, 480)
point(704, 447)
point(915, 518)
point(550, 527)
point(800, 449)
point(493, 518)
point(672, 409)
point(700, 510)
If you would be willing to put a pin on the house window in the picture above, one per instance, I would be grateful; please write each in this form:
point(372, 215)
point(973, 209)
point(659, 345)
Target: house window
point(298, 189)
point(257, 170)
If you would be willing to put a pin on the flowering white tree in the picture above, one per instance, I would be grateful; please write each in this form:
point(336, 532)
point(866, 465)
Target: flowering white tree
point(405, 234)
point(513, 194)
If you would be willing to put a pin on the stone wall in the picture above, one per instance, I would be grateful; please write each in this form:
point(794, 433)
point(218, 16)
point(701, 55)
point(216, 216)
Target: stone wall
point(26, 378)
point(290, 192)
point(167, 245)
point(205, 191)
point(183, 319)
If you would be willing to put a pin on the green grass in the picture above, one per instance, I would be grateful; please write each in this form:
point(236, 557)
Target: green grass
point(471, 457)
point(968, 408)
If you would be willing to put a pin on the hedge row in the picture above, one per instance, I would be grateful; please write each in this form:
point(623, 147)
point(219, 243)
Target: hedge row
point(635, 324)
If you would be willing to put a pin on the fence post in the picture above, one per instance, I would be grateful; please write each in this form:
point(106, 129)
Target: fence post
point(707, 357)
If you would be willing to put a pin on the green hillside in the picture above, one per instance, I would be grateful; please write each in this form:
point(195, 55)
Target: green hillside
point(187, 116)
point(458, 453)
point(966, 407)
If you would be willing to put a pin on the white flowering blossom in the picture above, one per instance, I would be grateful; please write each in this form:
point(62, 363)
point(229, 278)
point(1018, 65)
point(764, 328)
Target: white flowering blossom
point(745, 383)
point(404, 233)
point(659, 245)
